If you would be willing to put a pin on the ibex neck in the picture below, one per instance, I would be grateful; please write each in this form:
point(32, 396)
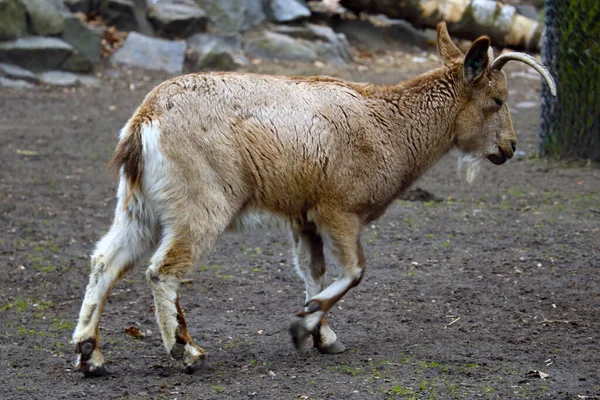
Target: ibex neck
point(422, 112)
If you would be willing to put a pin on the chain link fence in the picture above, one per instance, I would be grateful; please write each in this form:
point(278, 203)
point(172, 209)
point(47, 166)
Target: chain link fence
point(570, 122)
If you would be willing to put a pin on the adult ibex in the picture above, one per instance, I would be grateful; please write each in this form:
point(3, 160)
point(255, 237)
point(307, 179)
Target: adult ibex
point(208, 152)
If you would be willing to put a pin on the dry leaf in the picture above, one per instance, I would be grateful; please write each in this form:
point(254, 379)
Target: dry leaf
point(135, 332)
point(27, 152)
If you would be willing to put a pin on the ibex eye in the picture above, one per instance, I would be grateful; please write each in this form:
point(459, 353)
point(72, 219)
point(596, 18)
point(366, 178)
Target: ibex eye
point(499, 102)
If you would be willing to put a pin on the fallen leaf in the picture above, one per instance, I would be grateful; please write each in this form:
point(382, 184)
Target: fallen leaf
point(135, 332)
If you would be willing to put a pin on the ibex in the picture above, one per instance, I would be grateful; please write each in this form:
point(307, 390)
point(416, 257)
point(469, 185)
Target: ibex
point(205, 153)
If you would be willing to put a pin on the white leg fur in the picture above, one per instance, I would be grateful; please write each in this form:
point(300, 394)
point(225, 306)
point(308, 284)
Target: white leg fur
point(127, 241)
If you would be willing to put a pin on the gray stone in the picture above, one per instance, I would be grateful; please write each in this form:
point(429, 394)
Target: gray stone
point(271, 45)
point(36, 53)
point(126, 15)
point(16, 72)
point(287, 10)
point(232, 16)
point(179, 18)
point(44, 17)
point(60, 78)
point(13, 20)
point(151, 53)
point(15, 84)
point(216, 52)
point(330, 46)
point(87, 41)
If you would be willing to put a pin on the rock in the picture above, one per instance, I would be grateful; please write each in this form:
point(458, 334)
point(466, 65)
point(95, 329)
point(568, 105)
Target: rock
point(126, 15)
point(16, 72)
point(15, 84)
point(77, 62)
point(380, 33)
point(84, 6)
point(59, 78)
point(216, 52)
point(82, 38)
point(271, 45)
point(151, 53)
point(13, 20)
point(36, 53)
point(287, 10)
point(529, 11)
point(179, 18)
point(331, 47)
point(254, 15)
point(232, 16)
point(44, 17)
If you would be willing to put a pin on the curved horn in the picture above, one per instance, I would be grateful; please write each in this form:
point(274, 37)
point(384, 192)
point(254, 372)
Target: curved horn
point(529, 60)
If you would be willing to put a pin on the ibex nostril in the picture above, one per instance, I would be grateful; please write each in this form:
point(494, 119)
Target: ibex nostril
point(513, 144)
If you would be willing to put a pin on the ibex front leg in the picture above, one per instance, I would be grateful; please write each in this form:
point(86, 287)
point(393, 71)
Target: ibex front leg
point(310, 264)
point(343, 230)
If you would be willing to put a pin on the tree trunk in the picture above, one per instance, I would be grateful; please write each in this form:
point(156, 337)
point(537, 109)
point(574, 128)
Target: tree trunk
point(570, 123)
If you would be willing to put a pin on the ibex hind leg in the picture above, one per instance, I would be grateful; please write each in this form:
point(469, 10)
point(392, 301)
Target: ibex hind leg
point(184, 241)
point(128, 241)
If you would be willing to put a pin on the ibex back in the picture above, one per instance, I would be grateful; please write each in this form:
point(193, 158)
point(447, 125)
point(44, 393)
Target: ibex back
point(209, 152)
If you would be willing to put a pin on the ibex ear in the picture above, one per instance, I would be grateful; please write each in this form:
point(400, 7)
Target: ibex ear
point(448, 50)
point(477, 60)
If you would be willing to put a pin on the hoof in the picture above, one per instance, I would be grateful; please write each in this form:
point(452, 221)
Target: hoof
point(177, 351)
point(299, 334)
point(336, 347)
point(195, 365)
point(89, 361)
point(95, 372)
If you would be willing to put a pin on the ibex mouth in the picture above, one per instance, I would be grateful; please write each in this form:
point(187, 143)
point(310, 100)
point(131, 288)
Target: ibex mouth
point(497, 159)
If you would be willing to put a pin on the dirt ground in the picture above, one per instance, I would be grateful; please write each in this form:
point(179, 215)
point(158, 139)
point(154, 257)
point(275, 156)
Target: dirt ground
point(472, 296)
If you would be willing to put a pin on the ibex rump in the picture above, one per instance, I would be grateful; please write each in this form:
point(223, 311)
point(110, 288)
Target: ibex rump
point(208, 152)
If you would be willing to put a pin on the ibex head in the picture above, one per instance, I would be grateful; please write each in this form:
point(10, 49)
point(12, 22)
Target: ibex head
point(483, 127)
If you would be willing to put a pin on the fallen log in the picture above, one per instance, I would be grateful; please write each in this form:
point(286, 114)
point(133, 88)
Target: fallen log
point(465, 18)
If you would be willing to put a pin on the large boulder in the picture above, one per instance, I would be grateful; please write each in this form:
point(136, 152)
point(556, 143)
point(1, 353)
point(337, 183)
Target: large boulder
point(271, 45)
point(44, 16)
point(13, 20)
point(179, 18)
point(151, 53)
point(232, 16)
point(36, 53)
point(380, 33)
point(287, 10)
point(216, 52)
point(86, 40)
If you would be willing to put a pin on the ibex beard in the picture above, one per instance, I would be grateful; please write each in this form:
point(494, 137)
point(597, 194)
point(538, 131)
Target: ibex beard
point(205, 153)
